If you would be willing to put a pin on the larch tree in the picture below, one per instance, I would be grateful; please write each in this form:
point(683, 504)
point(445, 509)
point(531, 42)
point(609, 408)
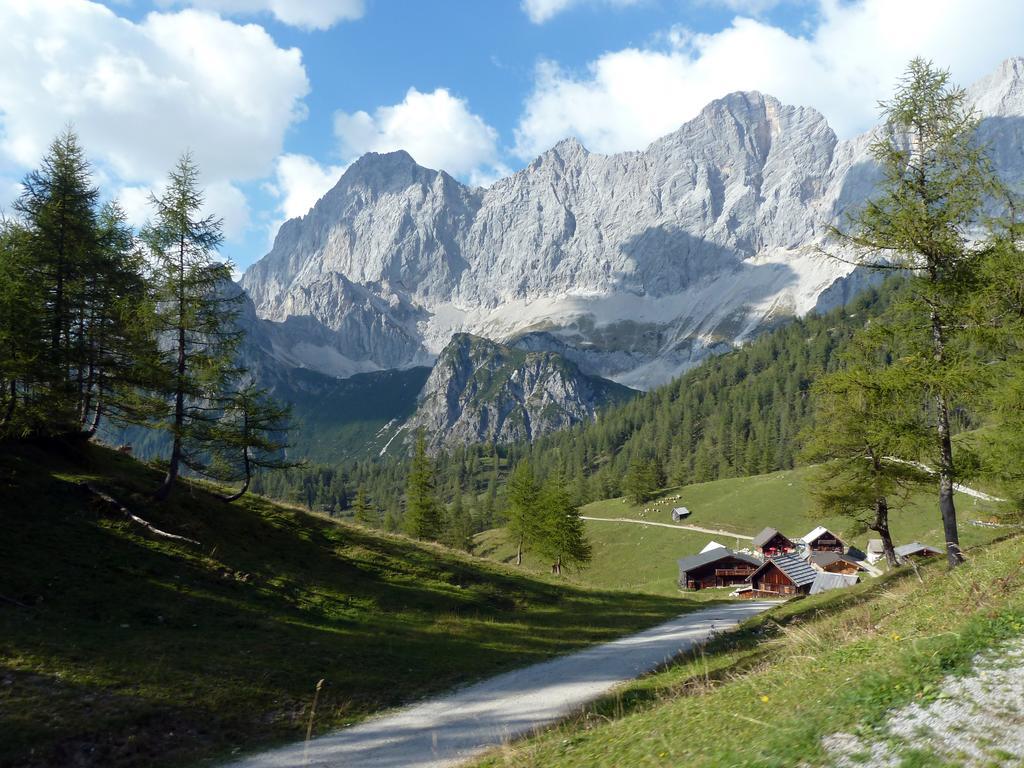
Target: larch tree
point(423, 513)
point(522, 493)
point(249, 434)
point(562, 537)
point(867, 433)
point(925, 221)
point(363, 510)
point(195, 315)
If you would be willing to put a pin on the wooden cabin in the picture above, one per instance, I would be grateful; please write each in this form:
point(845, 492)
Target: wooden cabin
point(771, 543)
point(717, 567)
point(783, 575)
point(834, 562)
point(916, 551)
point(821, 539)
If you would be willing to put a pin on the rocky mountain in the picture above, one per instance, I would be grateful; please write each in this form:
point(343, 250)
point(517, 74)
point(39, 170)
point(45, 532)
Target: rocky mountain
point(480, 391)
point(634, 265)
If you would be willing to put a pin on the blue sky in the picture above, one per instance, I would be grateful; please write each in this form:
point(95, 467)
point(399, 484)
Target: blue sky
point(276, 97)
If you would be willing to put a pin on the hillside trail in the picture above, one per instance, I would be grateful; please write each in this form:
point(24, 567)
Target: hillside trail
point(697, 528)
point(453, 728)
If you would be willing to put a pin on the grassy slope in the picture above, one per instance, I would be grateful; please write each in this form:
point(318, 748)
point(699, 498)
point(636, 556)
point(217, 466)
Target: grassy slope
point(128, 650)
point(643, 558)
point(836, 662)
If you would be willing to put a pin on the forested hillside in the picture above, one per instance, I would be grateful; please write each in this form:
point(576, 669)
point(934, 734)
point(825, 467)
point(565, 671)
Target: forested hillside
point(737, 414)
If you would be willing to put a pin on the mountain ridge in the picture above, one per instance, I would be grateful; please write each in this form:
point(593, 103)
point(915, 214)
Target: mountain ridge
point(640, 262)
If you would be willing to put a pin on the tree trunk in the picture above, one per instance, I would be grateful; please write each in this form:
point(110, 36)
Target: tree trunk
point(11, 403)
point(947, 507)
point(248, 478)
point(881, 527)
point(519, 552)
point(179, 393)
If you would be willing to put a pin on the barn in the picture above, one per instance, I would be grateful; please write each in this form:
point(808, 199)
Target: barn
point(821, 539)
point(771, 543)
point(680, 513)
point(783, 575)
point(718, 567)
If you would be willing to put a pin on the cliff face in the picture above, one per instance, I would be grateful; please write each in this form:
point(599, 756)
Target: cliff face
point(635, 265)
point(480, 391)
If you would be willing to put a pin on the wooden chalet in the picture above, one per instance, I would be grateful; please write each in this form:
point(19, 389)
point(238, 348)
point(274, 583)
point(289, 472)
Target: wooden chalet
point(771, 543)
point(916, 551)
point(717, 567)
point(821, 539)
point(783, 575)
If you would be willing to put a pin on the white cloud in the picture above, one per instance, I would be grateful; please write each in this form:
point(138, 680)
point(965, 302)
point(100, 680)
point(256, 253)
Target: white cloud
point(843, 67)
point(540, 11)
point(221, 199)
point(301, 181)
point(305, 14)
point(139, 94)
point(436, 128)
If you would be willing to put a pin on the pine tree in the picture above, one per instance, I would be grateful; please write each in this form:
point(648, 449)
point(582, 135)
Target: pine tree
point(924, 221)
point(422, 508)
point(195, 315)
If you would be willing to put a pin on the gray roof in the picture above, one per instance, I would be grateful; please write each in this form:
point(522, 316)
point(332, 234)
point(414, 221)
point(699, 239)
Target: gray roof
point(765, 536)
point(693, 562)
point(913, 548)
point(797, 569)
point(823, 582)
point(875, 546)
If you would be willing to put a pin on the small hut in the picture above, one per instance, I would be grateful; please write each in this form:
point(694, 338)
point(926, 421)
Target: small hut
point(916, 551)
point(821, 539)
point(770, 543)
point(717, 567)
point(876, 551)
point(783, 575)
point(680, 513)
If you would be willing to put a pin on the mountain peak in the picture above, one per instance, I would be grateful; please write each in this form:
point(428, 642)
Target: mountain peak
point(1000, 93)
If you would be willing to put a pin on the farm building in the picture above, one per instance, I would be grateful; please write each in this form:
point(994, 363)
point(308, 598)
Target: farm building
point(717, 567)
point(783, 575)
point(680, 513)
point(835, 562)
point(821, 539)
point(824, 582)
point(770, 543)
point(916, 551)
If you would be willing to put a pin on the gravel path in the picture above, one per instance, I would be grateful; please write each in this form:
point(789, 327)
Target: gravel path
point(453, 728)
point(697, 528)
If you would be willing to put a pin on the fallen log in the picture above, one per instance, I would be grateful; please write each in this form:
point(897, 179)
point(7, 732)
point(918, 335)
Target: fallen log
point(135, 518)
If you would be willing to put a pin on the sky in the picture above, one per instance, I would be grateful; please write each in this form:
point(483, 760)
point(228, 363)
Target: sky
point(275, 98)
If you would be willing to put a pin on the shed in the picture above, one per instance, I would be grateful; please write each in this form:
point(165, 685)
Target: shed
point(770, 543)
point(718, 567)
point(680, 513)
point(824, 582)
point(821, 539)
point(917, 551)
point(782, 575)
